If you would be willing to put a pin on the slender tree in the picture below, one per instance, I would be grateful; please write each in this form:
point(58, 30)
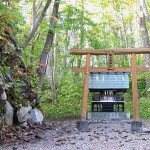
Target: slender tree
point(48, 44)
point(144, 32)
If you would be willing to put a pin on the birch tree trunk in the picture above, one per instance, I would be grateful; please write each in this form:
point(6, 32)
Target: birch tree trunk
point(51, 71)
point(55, 63)
point(34, 15)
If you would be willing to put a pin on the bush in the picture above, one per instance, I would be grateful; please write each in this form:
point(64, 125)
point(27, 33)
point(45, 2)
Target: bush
point(69, 97)
point(144, 109)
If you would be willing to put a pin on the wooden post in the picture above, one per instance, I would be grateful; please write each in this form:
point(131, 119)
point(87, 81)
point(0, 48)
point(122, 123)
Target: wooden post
point(85, 89)
point(134, 88)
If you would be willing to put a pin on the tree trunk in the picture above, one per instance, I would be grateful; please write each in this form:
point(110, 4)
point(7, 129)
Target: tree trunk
point(34, 18)
point(48, 44)
point(34, 15)
point(145, 10)
point(51, 72)
point(146, 42)
point(144, 14)
point(54, 69)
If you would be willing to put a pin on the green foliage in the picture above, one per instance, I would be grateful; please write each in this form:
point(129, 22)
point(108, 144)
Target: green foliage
point(19, 93)
point(74, 20)
point(144, 109)
point(69, 95)
point(10, 16)
point(142, 89)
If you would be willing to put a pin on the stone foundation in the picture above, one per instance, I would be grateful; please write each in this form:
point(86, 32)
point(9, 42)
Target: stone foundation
point(136, 126)
point(108, 116)
point(82, 125)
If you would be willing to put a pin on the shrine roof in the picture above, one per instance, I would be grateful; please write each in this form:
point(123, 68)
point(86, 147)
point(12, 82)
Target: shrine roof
point(109, 81)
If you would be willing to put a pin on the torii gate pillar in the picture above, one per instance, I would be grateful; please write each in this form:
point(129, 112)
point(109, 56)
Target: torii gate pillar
point(136, 125)
point(85, 89)
point(83, 124)
point(134, 89)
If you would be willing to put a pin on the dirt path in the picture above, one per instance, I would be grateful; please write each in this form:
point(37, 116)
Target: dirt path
point(105, 135)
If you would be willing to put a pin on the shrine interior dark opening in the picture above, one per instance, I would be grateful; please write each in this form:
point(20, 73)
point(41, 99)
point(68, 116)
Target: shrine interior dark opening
point(108, 91)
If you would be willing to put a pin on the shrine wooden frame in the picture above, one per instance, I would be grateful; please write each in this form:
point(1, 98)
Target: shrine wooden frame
point(134, 69)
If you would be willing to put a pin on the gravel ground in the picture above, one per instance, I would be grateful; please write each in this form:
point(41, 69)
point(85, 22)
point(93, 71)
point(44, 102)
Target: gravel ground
point(104, 135)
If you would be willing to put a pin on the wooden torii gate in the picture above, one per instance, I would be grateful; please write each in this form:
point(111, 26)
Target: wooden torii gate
point(134, 69)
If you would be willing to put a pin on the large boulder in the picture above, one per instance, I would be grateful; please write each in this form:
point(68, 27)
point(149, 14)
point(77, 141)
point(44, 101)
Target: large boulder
point(3, 94)
point(9, 114)
point(23, 114)
point(3, 98)
point(36, 116)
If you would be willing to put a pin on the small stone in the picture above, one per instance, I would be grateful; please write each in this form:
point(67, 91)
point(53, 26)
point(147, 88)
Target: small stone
point(95, 136)
point(77, 147)
point(121, 145)
point(72, 142)
point(17, 128)
point(27, 140)
point(119, 132)
point(74, 137)
point(57, 144)
point(88, 130)
point(97, 133)
point(91, 139)
point(23, 125)
point(38, 137)
point(111, 137)
point(25, 147)
point(89, 135)
point(80, 138)
point(124, 136)
point(68, 130)
point(60, 139)
point(15, 147)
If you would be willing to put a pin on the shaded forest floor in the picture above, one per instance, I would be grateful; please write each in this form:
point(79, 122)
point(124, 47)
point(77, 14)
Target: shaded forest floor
point(104, 135)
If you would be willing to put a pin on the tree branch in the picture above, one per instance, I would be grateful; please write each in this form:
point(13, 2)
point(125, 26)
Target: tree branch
point(31, 35)
point(13, 40)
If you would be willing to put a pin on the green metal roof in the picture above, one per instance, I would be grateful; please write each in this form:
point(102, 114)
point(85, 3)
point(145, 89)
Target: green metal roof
point(109, 81)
